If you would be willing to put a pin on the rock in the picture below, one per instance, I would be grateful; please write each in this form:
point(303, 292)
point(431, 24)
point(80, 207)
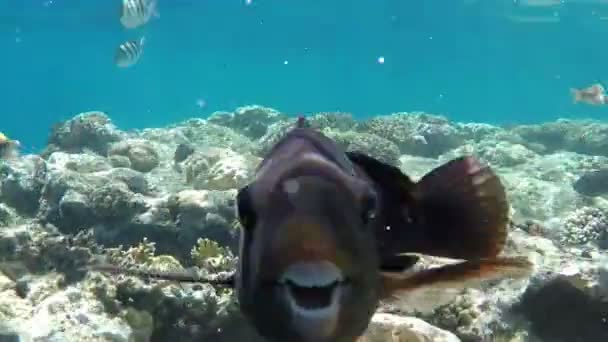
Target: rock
point(370, 144)
point(10, 337)
point(13, 309)
point(387, 327)
point(91, 130)
point(251, 121)
point(21, 184)
point(71, 315)
point(593, 183)
point(199, 134)
point(202, 213)
point(114, 201)
point(75, 212)
point(219, 169)
point(416, 133)
point(496, 153)
point(585, 225)
point(60, 180)
point(479, 132)
point(74, 200)
point(532, 198)
point(586, 137)
point(182, 152)
point(575, 316)
point(273, 134)
point(141, 154)
point(119, 161)
point(336, 121)
point(134, 180)
point(8, 216)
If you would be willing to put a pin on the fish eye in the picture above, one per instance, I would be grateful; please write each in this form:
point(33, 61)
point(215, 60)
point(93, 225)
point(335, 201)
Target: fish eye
point(369, 207)
point(244, 208)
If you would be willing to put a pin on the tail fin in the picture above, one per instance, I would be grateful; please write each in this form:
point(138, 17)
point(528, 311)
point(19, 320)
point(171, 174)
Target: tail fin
point(302, 122)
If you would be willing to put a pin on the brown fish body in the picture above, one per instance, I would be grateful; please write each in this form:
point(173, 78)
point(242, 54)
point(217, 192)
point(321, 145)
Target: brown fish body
point(324, 234)
point(308, 268)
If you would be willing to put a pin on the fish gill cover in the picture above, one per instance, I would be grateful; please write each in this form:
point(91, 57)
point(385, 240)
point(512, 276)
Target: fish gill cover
point(139, 166)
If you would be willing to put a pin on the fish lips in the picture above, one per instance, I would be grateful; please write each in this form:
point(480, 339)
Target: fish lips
point(311, 277)
point(313, 293)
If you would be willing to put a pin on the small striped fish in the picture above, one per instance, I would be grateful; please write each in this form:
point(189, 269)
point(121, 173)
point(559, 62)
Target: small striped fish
point(135, 13)
point(128, 53)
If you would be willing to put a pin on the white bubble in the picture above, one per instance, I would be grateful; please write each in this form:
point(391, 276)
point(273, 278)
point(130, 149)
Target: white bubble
point(291, 186)
point(248, 2)
point(201, 103)
point(381, 60)
point(285, 62)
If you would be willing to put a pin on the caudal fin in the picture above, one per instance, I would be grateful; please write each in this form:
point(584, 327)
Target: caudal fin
point(458, 275)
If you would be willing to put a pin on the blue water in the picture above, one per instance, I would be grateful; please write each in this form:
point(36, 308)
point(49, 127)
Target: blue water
point(465, 61)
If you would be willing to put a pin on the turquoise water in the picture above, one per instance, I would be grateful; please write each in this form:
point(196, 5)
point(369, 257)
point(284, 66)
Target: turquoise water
point(466, 61)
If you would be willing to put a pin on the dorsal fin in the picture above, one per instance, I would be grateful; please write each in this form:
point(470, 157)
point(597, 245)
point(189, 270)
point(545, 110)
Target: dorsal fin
point(302, 122)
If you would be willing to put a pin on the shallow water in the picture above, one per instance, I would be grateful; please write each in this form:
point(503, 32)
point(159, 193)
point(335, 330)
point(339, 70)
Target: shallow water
point(467, 61)
point(494, 78)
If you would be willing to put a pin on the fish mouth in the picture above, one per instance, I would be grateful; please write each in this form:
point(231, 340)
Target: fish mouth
point(314, 289)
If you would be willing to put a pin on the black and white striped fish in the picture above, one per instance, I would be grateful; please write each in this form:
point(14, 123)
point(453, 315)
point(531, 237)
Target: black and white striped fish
point(135, 13)
point(128, 53)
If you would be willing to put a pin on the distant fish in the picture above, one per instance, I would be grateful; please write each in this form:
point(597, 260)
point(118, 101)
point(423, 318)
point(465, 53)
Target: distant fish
point(593, 95)
point(8, 148)
point(128, 53)
point(594, 183)
point(134, 13)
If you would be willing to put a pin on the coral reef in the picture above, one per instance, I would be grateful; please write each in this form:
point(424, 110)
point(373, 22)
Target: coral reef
point(585, 225)
point(163, 199)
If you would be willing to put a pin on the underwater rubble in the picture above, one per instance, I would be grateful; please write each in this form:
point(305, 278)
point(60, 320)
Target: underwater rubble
point(163, 199)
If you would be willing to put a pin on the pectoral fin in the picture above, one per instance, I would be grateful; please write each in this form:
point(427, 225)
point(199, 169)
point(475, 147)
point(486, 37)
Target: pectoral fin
point(398, 263)
point(455, 275)
point(458, 210)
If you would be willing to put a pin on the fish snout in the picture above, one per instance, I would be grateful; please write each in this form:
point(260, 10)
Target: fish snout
point(311, 278)
point(313, 292)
